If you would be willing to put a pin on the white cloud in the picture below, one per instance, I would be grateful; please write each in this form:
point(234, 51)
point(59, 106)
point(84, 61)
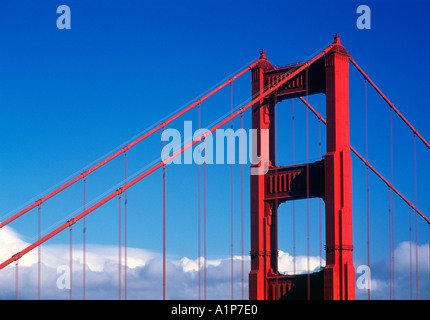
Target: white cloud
point(145, 270)
point(400, 286)
point(11, 243)
point(286, 263)
point(407, 252)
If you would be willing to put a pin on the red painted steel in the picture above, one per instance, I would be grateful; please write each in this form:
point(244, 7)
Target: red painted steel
point(263, 221)
point(338, 276)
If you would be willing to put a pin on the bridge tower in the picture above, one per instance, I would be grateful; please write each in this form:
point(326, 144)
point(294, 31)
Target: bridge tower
point(329, 179)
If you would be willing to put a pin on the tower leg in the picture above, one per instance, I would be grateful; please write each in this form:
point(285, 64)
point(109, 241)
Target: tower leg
point(339, 275)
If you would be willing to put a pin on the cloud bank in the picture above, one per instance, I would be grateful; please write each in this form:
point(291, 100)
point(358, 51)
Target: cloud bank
point(145, 273)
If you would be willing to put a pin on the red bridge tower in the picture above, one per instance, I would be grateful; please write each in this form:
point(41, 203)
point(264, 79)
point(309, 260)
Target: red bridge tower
point(329, 179)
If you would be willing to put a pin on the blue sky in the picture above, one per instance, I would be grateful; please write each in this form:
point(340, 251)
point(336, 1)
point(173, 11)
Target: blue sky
point(68, 97)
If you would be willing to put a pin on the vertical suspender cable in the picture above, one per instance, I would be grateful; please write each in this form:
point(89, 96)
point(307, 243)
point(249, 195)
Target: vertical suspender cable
point(231, 191)
point(39, 253)
point(319, 200)
point(392, 198)
point(16, 279)
point(276, 173)
point(71, 262)
point(307, 187)
point(416, 216)
point(367, 180)
point(410, 253)
point(294, 203)
point(389, 242)
point(84, 263)
point(241, 205)
point(204, 225)
point(389, 223)
point(199, 207)
point(119, 246)
point(125, 225)
point(164, 226)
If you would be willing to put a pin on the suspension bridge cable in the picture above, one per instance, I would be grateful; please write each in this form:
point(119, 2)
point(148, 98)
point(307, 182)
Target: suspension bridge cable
point(393, 189)
point(392, 200)
point(410, 253)
point(199, 208)
point(415, 131)
point(231, 193)
point(367, 180)
point(39, 253)
point(319, 199)
point(159, 164)
point(205, 225)
point(275, 209)
point(83, 175)
point(71, 262)
point(127, 184)
point(390, 249)
point(390, 185)
point(294, 202)
point(125, 224)
point(126, 147)
point(241, 209)
point(307, 192)
point(390, 211)
point(119, 247)
point(164, 225)
point(372, 168)
point(16, 278)
point(416, 218)
point(84, 243)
